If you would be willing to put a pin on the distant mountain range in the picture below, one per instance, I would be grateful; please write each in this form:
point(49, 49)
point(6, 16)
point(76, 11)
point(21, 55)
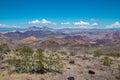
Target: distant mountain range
point(33, 31)
point(47, 28)
point(46, 37)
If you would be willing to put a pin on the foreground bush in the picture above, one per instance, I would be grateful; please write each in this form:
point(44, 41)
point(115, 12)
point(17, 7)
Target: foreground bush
point(27, 61)
point(21, 60)
point(54, 63)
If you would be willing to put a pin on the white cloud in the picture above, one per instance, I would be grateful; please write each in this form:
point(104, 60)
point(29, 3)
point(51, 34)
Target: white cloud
point(42, 22)
point(8, 26)
point(3, 25)
point(65, 23)
point(95, 24)
point(83, 24)
point(34, 22)
point(114, 25)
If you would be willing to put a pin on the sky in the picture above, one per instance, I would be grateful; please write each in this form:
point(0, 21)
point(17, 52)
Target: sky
point(60, 13)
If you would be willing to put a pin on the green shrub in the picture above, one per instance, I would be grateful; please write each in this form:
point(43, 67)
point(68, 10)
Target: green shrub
point(39, 61)
point(18, 64)
point(25, 51)
point(22, 60)
point(54, 63)
point(96, 54)
point(63, 52)
point(4, 48)
point(72, 53)
point(119, 67)
point(27, 62)
point(116, 55)
point(106, 61)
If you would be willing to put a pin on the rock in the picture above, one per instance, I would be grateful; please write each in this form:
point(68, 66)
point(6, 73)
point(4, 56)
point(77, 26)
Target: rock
point(71, 78)
point(89, 65)
point(91, 72)
point(2, 68)
point(42, 79)
point(115, 72)
point(71, 62)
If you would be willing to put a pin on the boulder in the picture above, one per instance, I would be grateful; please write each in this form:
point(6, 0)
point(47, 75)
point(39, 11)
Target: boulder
point(71, 78)
point(91, 72)
point(71, 62)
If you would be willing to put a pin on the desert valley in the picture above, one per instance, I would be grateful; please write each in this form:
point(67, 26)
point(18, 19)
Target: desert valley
point(60, 54)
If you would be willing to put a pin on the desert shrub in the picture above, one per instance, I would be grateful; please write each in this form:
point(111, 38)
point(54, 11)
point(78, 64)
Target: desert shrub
point(72, 53)
point(54, 63)
point(96, 53)
point(63, 52)
point(1, 57)
point(39, 61)
point(18, 64)
point(119, 67)
point(27, 62)
point(118, 76)
point(25, 51)
point(22, 60)
point(4, 48)
point(106, 61)
point(116, 55)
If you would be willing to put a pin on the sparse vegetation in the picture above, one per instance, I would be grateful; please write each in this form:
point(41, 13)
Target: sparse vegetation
point(118, 75)
point(4, 48)
point(21, 61)
point(54, 63)
point(96, 53)
point(119, 67)
point(39, 61)
point(63, 52)
point(27, 61)
point(116, 55)
point(106, 61)
point(59, 59)
point(72, 53)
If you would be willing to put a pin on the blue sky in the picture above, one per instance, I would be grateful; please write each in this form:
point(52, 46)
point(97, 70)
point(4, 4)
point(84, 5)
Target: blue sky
point(60, 13)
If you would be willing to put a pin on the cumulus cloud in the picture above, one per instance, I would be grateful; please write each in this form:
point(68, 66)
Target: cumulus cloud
point(83, 24)
point(41, 22)
point(65, 23)
point(114, 25)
